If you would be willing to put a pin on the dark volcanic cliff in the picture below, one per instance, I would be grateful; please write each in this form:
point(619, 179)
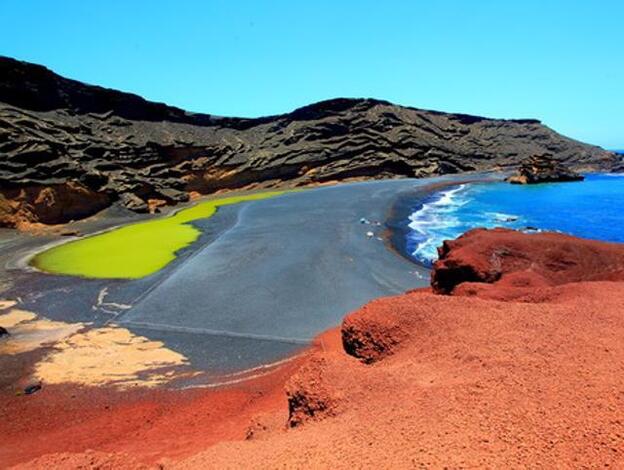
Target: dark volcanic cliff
point(68, 150)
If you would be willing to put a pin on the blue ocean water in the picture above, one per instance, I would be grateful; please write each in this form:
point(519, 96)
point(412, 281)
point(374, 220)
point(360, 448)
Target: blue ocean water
point(593, 208)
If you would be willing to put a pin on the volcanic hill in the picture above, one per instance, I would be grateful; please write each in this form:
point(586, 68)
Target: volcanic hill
point(69, 149)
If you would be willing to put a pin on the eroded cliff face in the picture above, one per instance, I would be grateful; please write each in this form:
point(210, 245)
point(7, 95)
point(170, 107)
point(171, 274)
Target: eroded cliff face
point(55, 131)
point(20, 207)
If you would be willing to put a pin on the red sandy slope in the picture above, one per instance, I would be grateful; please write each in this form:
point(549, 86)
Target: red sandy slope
point(146, 424)
point(524, 366)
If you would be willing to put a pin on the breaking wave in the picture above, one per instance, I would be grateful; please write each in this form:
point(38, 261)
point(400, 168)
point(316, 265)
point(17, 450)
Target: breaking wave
point(441, 218)
point(590, 209)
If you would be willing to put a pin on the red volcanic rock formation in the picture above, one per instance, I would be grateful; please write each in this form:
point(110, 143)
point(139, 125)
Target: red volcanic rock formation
point(514, 260)
point(526, 372)
point(474, 383)
point(372, 333)
point(309, 394)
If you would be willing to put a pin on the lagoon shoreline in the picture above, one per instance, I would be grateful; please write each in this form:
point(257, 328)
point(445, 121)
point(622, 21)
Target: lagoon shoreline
point(246, 254)
point(386, 377)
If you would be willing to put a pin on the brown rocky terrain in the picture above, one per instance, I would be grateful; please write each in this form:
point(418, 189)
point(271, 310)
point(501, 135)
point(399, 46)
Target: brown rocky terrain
point(68, 149)
point(543, 169)
point(479, 372)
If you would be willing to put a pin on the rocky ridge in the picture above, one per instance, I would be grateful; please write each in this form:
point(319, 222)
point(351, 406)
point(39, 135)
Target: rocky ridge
point(484, 261)
point(69, 149)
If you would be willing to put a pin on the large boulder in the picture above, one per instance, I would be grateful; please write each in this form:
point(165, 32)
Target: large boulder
point(522, 262)
point(543, 169)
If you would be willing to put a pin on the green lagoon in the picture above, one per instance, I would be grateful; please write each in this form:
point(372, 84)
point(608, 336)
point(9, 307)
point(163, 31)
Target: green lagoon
point(137, 250)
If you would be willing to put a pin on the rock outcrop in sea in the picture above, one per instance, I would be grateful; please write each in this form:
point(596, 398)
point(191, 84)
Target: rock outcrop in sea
point(70, 149)
point(543, 169)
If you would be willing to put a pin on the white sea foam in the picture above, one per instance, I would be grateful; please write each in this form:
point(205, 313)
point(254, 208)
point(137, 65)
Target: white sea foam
point(501, 217)
point(433, 221)
point(445, 217)
point(591, 210)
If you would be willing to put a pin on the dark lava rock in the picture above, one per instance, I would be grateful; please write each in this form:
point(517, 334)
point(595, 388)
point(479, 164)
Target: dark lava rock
point(70, 233)
point(3, 332)
point(32, 388)
point(133, 202)
point(618, 167)
point(69, 149)
point(543, 169)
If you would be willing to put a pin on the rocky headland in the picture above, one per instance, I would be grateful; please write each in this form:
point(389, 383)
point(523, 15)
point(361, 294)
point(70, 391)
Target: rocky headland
point(512, 359)
point(69, 150)
point(544, 169)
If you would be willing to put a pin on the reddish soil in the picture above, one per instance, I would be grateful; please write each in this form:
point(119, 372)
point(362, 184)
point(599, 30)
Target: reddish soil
point(521, 369)
point(147, 424)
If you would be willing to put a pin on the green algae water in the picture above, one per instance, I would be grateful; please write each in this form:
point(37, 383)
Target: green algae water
point(137, 250)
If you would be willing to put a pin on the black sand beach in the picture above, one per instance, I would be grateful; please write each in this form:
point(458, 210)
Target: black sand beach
point(262, 281)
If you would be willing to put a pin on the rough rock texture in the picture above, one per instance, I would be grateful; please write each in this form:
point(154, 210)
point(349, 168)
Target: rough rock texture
point(370, 335)
point(512, 259)
point(309, 393)
point(49, 204)
point(462, 382)
point(54, 131)
point(543, 169)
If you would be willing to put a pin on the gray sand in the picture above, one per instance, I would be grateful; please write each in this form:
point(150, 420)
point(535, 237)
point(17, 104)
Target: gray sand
point(262, 281)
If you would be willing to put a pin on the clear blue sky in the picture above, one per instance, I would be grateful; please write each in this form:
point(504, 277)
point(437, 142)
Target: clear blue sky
point(559, 61)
